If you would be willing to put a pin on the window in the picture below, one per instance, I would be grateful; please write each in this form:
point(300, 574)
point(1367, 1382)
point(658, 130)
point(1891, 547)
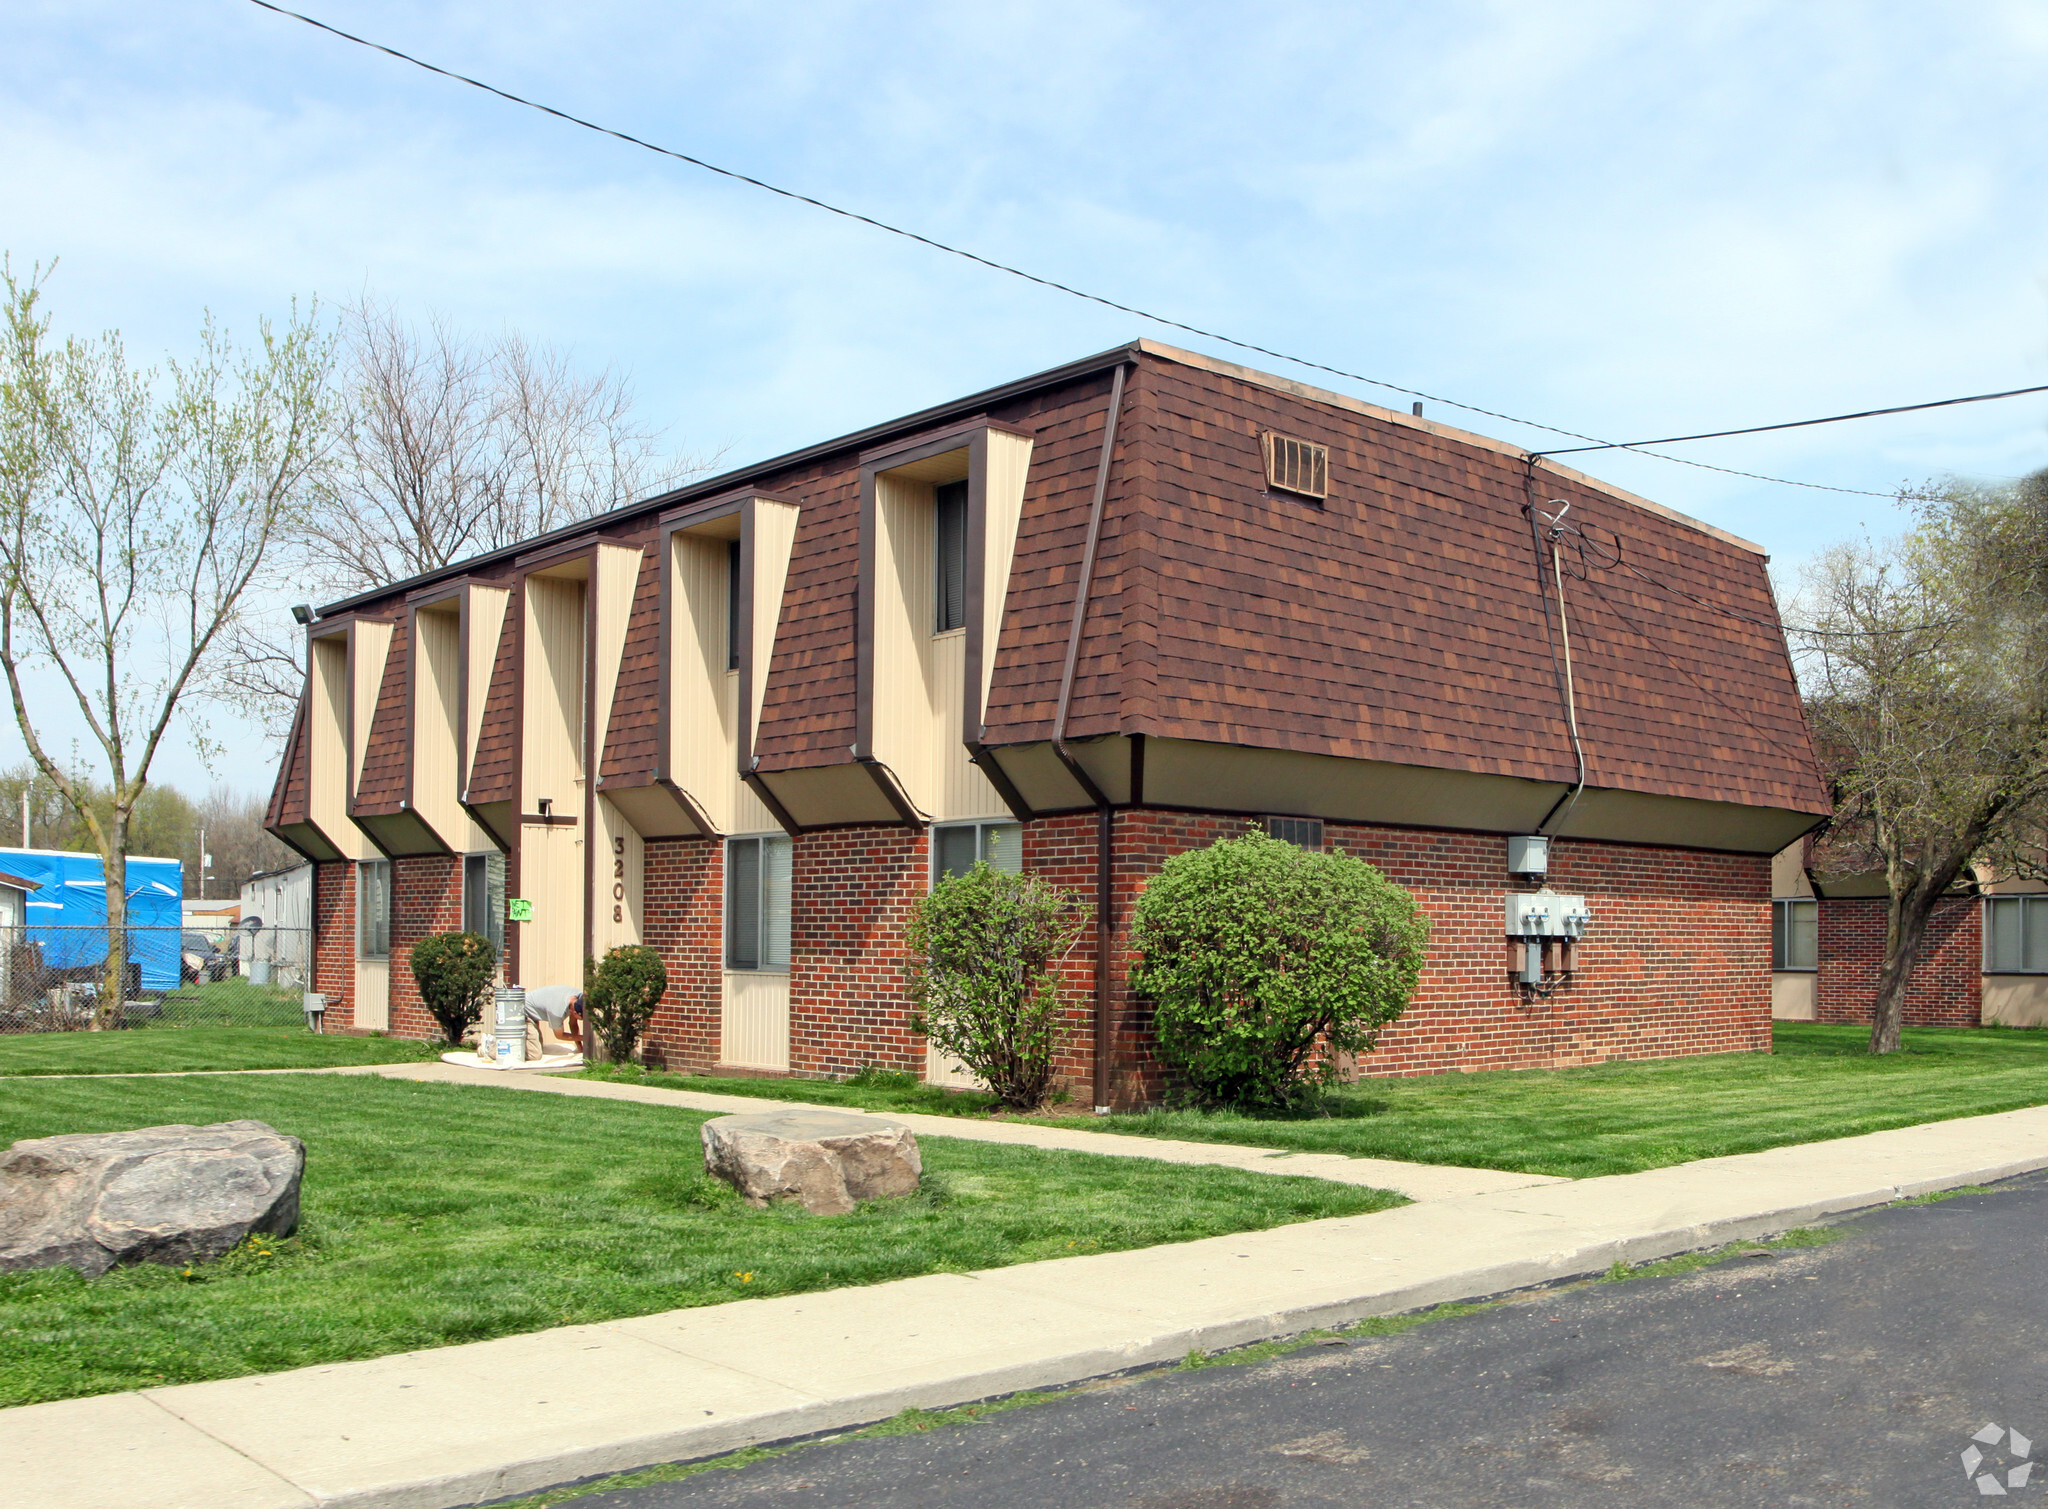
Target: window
point(1296, 466)
point(949, 585)
point(373, 908)
point(2016, 935)
point(956, 846)
point(483, 897)
point(1795, 935)
point(1307, 832)
point(757, 902)
point(732, 606)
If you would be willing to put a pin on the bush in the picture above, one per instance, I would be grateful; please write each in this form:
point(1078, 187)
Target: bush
point(454, 972)
point(620, 992)
point(1265, 962)
point(982, 947)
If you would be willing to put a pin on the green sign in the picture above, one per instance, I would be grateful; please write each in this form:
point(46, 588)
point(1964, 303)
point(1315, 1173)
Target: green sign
point(519, 910)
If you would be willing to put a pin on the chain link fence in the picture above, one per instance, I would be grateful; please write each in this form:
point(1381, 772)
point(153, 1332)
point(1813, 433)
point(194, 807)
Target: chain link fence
point(52, 978)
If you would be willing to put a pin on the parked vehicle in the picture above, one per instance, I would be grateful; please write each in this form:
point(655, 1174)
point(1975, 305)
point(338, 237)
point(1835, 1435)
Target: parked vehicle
point(201, 963)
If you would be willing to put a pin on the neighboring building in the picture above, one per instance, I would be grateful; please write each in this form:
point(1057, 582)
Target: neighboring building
point(1984, 960)
point(67, 911)
point(1077, 623)
point(280, 898)
point(213, 916)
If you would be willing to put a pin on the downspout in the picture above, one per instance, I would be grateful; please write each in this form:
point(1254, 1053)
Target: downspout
point(1105, 818)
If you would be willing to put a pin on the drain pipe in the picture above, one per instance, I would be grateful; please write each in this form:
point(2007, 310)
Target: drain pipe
point(1105, 817)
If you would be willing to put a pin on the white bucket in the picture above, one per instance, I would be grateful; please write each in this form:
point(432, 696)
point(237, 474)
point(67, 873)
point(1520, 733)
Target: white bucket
point(509, 1041)
point(259, 971)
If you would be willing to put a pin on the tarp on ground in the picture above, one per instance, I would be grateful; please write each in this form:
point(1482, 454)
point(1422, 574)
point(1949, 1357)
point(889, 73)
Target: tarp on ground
point(67, 912)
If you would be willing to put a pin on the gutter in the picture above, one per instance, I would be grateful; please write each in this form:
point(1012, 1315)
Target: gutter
point(1105, 816)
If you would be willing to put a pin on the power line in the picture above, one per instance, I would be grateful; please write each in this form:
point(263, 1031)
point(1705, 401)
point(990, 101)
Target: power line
point(1593, 441)
point(1797, 424)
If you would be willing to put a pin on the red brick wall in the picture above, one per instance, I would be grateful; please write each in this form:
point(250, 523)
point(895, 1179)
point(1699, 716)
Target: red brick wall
point(334, 940)
point(851, 897)
point(684, 881)
point(1946, 987)
point(426, 898)
point(1677, 962)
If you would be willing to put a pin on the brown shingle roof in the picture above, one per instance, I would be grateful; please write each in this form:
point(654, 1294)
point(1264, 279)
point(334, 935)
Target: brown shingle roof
point(493, 770)
point(631, 751)
point(382, 786)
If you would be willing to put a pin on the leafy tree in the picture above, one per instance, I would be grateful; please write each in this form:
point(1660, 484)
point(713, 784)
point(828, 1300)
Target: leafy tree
point(620, 992)
point(454, 972)
point(1267, 963)
point(137, 509)
point(982, 950)
point(1925, 660)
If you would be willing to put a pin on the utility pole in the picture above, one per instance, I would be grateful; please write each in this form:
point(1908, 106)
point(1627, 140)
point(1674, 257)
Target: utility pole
point(202, 864)
point(24, 817)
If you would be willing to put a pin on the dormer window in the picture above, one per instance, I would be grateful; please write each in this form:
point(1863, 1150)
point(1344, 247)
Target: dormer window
point(949, 581)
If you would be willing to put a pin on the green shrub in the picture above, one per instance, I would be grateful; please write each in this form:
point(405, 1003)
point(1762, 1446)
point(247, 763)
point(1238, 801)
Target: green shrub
point(454, 972)
point(1265, 962)
point(982, 946)
point(620, 993)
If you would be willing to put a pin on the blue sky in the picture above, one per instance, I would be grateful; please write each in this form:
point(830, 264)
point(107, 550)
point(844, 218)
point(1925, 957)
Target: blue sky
point(1629, 219)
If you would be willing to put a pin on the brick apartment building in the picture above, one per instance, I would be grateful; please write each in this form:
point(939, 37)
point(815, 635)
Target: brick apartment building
point(1984, 961)
point(1078, 623)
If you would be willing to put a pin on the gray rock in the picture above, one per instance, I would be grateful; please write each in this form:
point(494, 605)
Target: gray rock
point(172, 1194)
point(828, 1160)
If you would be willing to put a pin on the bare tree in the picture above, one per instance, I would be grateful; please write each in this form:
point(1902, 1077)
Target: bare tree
point(136, 510)
point(448, 447)
point(1926, 662)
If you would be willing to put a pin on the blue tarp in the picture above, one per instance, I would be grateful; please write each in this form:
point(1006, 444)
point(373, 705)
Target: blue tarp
point(67, 913)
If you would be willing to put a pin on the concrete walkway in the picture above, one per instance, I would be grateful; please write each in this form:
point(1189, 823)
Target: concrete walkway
point(1418, 1181)
point(460, 1425)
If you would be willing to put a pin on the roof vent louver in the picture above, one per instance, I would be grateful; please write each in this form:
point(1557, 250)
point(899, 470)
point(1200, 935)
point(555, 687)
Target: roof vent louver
point(1296, 466)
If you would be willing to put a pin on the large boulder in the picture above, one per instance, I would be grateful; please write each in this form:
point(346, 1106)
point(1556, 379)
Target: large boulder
point(173, 1194)
point(827, 1160)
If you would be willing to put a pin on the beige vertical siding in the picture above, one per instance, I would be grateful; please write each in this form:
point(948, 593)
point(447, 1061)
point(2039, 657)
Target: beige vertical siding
point(774, 527)
point(1794, 997)
point(553, 732)
point(742, 811)
point(551, 856)
point(616, 880)
point(486, 625)
point(372, 642)
point(753, 1031)
point(614, 898)
point(436, 720)
point(943, 1069)
point(1009, 462)
point(328, 753)
point(907, 703)
point(373, 995)
point(701, 727)
point(551, 877)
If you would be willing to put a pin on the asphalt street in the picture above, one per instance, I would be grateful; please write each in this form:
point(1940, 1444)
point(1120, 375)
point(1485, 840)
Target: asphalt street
point(1852, 1373)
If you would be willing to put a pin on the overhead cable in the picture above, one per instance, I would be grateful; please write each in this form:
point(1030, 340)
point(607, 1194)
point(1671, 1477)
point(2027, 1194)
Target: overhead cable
point(1593, 441)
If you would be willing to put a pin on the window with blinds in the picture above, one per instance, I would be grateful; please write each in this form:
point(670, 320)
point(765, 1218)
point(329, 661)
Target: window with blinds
point(757, 902)
point(2016, 935)
point(949, 582)
point(956, 846)
point(1795, 935)
point(1297, 466)
point(373, 908)
point(483, 897)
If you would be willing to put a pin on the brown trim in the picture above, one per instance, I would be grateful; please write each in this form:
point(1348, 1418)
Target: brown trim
point(1137, 770)
point(976, 595)
point(892, 791)
point(955, 437)
point(741, 655)
point(864, 623)
point(986, 761)
point(547, 820)
point(548, 557)
point(758, 784)
point(1081, 588)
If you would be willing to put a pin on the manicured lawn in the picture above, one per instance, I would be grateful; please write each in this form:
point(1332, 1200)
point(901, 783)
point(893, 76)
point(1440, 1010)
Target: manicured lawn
point(870, 1090)
point(165, 1050)
point(1618, 1118)
point(437, 1214)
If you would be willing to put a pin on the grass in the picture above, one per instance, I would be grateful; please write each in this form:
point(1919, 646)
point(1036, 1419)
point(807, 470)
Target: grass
point(1622, 1117)
point(870, 1090)
point(199, 1048)
point(437, 1214)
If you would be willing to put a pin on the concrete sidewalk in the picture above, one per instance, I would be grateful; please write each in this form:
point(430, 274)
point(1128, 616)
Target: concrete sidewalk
point(460, 1425)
